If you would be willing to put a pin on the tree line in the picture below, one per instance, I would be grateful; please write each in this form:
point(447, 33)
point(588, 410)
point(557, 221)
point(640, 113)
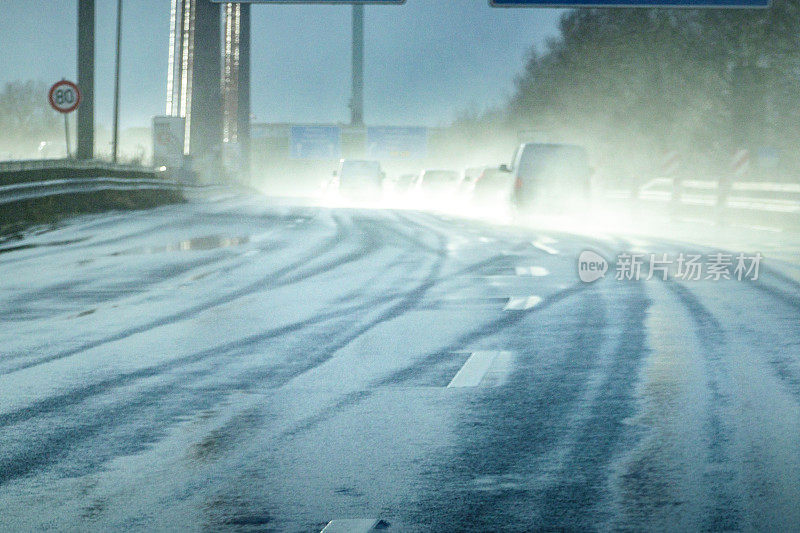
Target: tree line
point(26, 120)
point(633, 84)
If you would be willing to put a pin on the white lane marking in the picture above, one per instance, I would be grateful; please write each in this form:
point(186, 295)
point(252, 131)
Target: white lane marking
point(639, 246)
point(521, 304)
point(473, 371)
point(497, 280)
point(499, 370)
point(695, 220)
point(543, 244)
point(535, 271)
point(758, 228)
point(261, 237)
point(456, 243)
point(351, 525)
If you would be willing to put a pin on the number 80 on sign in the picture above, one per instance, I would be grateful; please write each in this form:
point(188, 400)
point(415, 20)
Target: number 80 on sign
point(64, 96)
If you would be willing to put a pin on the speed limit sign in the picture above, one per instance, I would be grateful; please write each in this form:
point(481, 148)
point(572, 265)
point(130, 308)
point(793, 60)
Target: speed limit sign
point(64, 96)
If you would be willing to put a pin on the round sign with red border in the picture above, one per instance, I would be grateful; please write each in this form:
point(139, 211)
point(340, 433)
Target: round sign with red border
point(64, 96)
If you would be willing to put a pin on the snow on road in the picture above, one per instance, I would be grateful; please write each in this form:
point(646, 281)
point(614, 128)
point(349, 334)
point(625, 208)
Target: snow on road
point(245, 364)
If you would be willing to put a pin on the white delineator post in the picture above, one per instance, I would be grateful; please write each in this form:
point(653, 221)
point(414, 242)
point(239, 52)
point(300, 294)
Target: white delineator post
point(740, 163)
point(670, 165)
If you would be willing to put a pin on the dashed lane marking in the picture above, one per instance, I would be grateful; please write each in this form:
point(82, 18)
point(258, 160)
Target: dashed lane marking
point(489, 368)
point(521, 304)
point(352, 525)
point(543, 244)
point(535, 271)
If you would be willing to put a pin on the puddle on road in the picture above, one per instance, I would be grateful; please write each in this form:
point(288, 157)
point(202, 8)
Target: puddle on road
point(210, 242)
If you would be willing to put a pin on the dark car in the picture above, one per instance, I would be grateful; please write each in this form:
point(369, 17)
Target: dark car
point(439, 183)
point(469, 178)
point(359, 179)
point(403, 183)
point(550, 178)
point(492, 188)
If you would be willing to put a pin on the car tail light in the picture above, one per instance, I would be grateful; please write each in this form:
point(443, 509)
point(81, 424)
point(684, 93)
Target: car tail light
point(518, 184)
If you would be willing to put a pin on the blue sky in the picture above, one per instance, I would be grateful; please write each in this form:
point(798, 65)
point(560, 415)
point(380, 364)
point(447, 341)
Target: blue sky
point(425, 60)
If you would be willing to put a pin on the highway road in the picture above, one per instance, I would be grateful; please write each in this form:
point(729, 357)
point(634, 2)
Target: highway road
point(250, 364)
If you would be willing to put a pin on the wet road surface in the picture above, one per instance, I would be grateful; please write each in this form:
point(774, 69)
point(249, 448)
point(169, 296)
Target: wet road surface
point(245, 364)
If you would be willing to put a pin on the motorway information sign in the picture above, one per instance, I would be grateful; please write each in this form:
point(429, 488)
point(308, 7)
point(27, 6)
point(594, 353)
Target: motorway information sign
point(631, 3)
point(393, 142)
point(315, 142)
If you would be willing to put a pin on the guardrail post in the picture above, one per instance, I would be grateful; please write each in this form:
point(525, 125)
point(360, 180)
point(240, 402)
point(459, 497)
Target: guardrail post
point(635, 197)
point(677, 197)
point(636, 187)
point(724, 185)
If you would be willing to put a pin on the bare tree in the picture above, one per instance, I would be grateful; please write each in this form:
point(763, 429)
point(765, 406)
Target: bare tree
point(26, 119)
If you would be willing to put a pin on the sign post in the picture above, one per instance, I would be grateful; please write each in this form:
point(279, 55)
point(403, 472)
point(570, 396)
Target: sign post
point(65, 97)
point(357, 96)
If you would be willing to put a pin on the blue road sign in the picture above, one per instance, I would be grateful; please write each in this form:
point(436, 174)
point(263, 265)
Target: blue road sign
point(315, 142)
point(397, 142)
point(630, 3)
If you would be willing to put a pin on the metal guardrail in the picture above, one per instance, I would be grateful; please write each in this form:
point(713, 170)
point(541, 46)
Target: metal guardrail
point(767, 204)
point(84, 181)
point(760, 196)
point(26, 191)
point(46, 164)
